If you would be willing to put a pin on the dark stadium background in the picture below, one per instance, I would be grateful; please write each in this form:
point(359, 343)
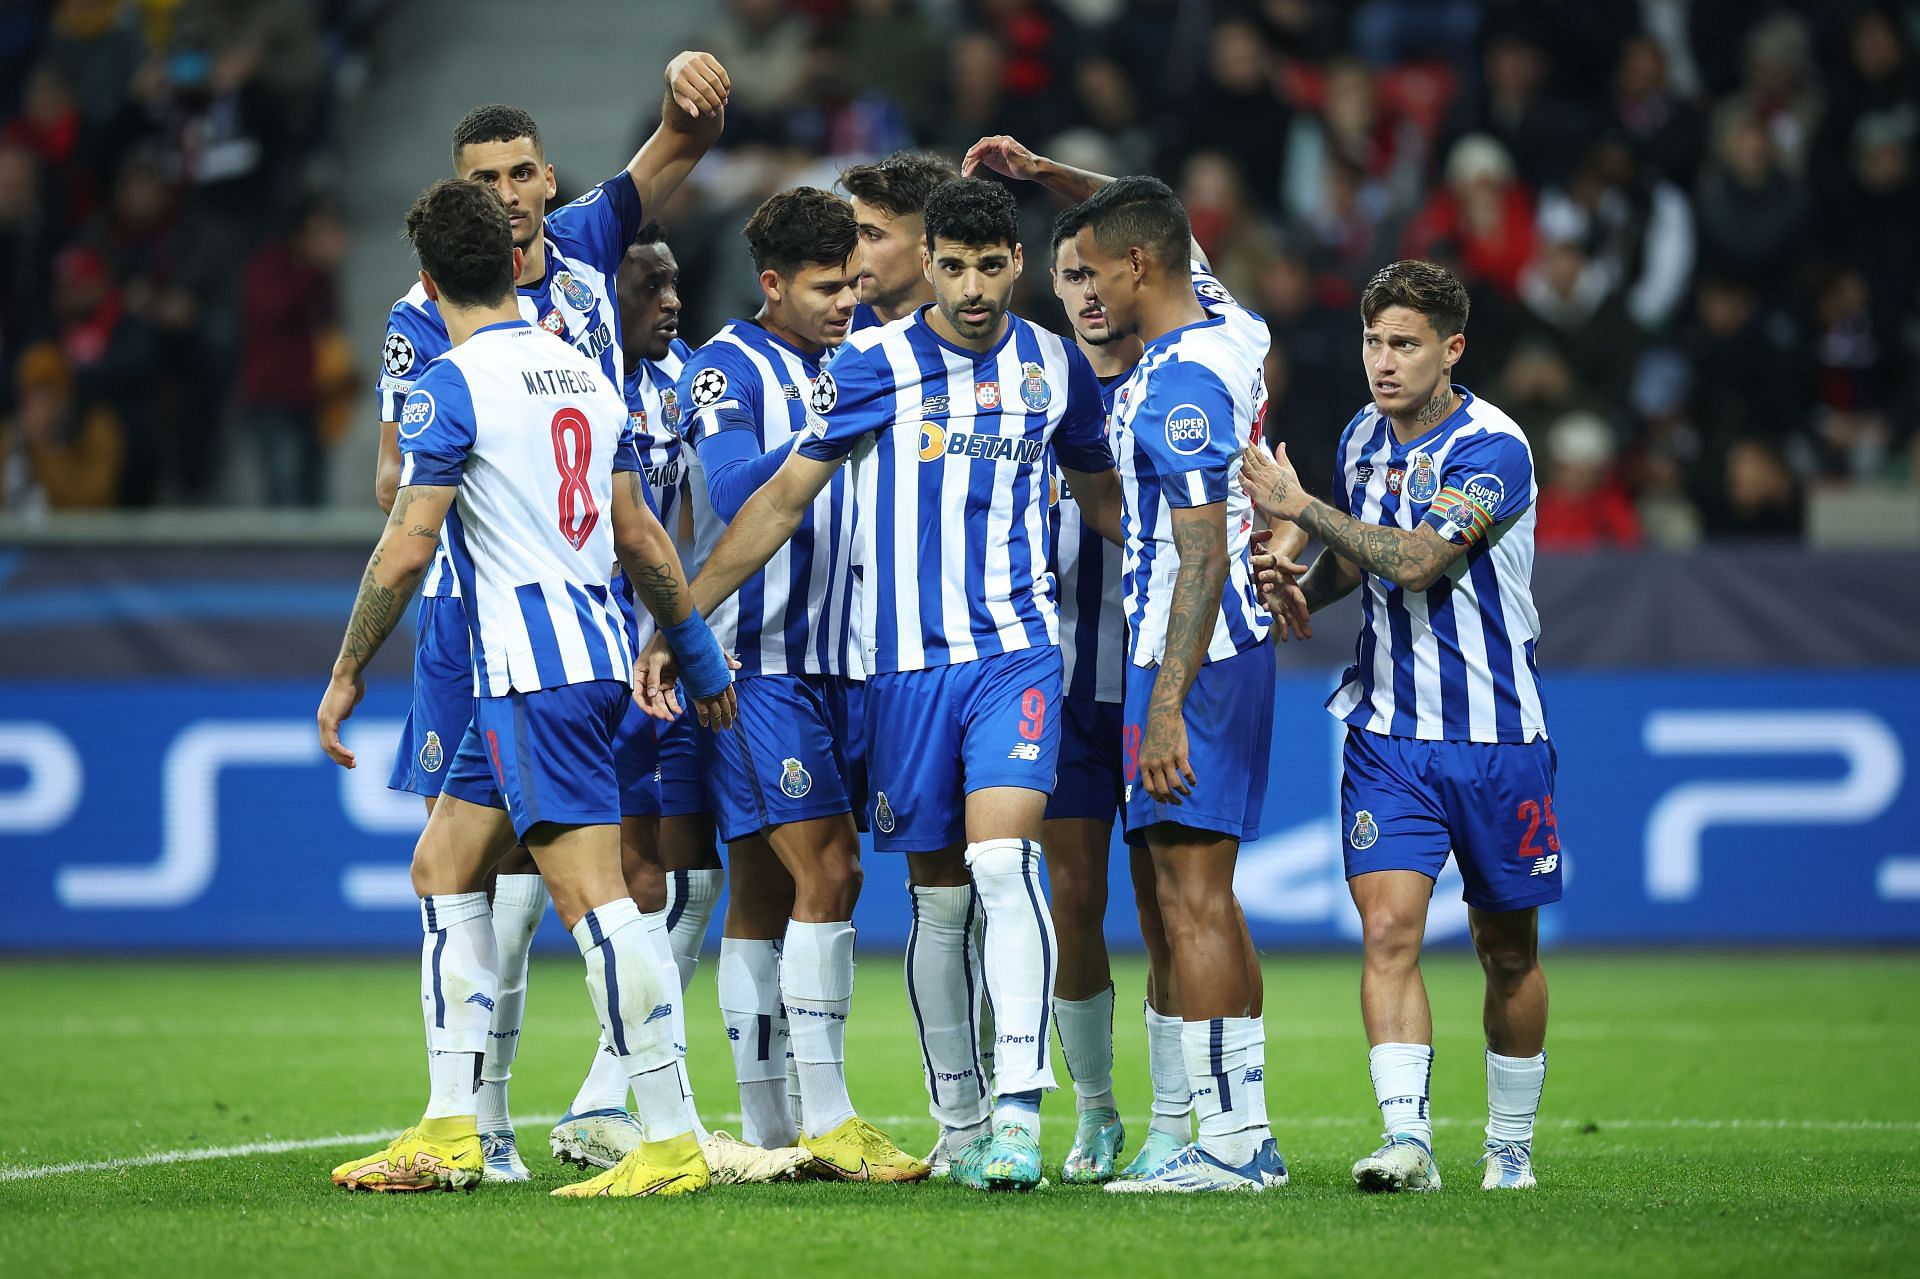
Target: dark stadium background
point(1688, 228)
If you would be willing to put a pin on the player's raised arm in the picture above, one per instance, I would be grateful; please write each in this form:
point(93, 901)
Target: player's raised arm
point(393, 573)
point(1011, 158)
point(692, 114)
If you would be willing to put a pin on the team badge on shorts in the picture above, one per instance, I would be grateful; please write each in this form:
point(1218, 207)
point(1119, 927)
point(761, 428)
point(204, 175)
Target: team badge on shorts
point(1422, 483)
point(882, 814)
point(670, 407)
point(577, 294)
point(1034, 391)
point(795, 781)
point(432, 756)
point(1366, 832)
point(987, 395)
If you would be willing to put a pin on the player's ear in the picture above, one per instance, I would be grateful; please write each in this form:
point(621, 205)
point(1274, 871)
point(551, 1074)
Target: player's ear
point(433, 290)
point(926, 262)
point(1019, 261)
point(1456, 347)
point(519, 262)
point(553, 188)
point(770, 284)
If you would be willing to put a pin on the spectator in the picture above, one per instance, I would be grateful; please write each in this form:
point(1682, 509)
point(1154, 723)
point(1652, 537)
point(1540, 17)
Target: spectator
point(96, 45)
point(1538, 131)
point(1484, 212)
point(1753, 212)
point(1350, 124)
point(1583, 506)
point(1779, 92)
point(1745, 365)
point(1666, 133)
point(1235, 240)
point(976, 102)
point(888, 48)
point(288, 303)
point(1869, 220)
point(29, 234)
point(57, 452)
point(1313, 386)
point(1849, 378)
point(1570, 299)
point(1109, 105)
point(50, 126)
point(1238, 87)
point(1879, 78)
point(1036, 41)
point(1759, 497)
point(1637, 226)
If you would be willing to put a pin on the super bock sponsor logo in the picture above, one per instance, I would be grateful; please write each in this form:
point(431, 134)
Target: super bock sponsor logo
point(416, 413)
point(1485, 491)
point(1187, 429)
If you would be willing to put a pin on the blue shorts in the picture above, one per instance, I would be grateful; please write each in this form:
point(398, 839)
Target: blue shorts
point(1229, 718)
point(1405, 803)
point(847, 701)
point(636, 762)
point(688, 761)
point(544, 756)
point(782, 761)
point(1089, 785)
point(937, 735)
point(442, 705)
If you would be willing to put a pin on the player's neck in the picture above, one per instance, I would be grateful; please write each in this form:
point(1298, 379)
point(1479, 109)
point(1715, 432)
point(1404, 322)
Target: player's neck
point(464, 321)
point(900, 308)
point(1161, 311)
point(1111, 359)
point(1437, 408)
point(768, 320)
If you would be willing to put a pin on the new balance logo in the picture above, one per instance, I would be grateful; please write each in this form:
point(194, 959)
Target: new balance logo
point(733, 1033)
point(659, 1011)
point(477, 998)
point(1028, 751)
point(1546, 865)
point(1254, 1075)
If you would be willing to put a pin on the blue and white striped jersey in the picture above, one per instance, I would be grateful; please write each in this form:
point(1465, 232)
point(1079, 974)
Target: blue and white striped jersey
point(653, 420)
point(864, 317)
point(1086, 571)
point(531, 432)
point(1455, 662)
point(793, 617)
point(951, 459)
point(1179, 422)
point(585, 241)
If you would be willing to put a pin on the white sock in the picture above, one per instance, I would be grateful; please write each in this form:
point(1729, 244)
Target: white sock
point(944, 991)
point(1019, 960)
point(518, 903)
point(605, 1087)
point(816, 985)
point(1225, 1060)
point(661, 946)
point(456, 995)
point(1086, 1041)
point(749, 982)
point(691, 895)
point(1514, 1085)
point(1402, 1075)
point(1167, 1063)
point(635, 1006)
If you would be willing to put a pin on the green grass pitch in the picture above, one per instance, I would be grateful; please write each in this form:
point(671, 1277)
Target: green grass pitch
point(1705, 1115)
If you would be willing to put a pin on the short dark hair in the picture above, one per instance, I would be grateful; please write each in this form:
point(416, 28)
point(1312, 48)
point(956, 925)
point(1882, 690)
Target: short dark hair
point(1426, 287)
point(495, 122)
point(654, 232)
point(900, 183)
point(803, 226)
point(972, 211)
point(461, 234)
point(1066, 225)
point(1134, 211)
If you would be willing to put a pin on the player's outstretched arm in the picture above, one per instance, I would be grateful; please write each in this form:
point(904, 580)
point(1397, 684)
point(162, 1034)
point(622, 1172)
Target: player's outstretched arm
point(1200, 536)
point(1011, 158)
point(691, 117)
point(765, 522)
point(652, 564)
point(1098, 493)
point(399, 561)
point(1413, 560)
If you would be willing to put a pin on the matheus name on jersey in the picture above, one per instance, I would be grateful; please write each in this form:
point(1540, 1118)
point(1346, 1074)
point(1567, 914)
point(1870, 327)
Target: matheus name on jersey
point(530, 532)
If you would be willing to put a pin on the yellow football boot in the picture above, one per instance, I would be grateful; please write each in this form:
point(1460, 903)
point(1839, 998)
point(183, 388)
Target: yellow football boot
point(671, 1167)
point(857, 1151)
point(440, 1154)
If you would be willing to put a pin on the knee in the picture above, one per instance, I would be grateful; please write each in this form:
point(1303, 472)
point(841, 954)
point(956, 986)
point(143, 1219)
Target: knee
point(647, 885)
point(837, 882)
point(1390, 935)
point(1078, 900)
point(1506, 963)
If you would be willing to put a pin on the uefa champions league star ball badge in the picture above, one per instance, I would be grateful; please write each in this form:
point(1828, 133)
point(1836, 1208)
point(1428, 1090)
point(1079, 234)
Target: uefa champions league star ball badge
point(1422, 483)
point(1365, 832)
point(396, 354)
point(432, 756)
point(795, 781)
point(882, 814)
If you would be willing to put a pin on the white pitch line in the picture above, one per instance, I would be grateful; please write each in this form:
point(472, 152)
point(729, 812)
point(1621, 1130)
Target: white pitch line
point(201, 1154)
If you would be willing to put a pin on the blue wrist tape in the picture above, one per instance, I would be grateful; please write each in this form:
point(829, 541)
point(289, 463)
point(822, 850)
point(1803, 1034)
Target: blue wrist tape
point(703, 667)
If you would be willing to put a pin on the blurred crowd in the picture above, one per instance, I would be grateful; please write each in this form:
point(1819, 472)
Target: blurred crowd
point(1689, 227)
point(168, 289)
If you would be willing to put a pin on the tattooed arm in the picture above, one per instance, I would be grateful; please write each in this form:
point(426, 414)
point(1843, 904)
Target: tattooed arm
point(646, 552)
point(393, 572)
point(1413, 560)
point(1200, 536)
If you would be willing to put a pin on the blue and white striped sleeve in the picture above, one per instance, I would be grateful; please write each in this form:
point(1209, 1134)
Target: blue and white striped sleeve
point(436, 427)
point(1186, 427)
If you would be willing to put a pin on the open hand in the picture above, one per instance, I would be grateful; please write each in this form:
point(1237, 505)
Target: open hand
point(1269, 480)
point(1278, 581)
point(1005, 155)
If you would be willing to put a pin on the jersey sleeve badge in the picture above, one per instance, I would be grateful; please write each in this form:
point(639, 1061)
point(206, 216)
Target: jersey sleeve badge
point(826, 394)
point(397, 355)
point(709, 387)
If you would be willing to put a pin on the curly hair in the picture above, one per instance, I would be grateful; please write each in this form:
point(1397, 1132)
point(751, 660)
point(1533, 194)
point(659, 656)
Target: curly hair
point(900, 183)
point(803, 226)
point(1426, 287)
point(461, 234)
point(972, 211)
point(495, 122)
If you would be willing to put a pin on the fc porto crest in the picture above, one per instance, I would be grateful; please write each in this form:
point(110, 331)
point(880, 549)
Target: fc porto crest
point(986, 395)
point(795, 781)
point(554, 323)
point(882, 814)
point(1366, 832)
point(1422, 482)
point(670, 407)
point(575, 291)
point(1034, 391)
point(432, 755)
